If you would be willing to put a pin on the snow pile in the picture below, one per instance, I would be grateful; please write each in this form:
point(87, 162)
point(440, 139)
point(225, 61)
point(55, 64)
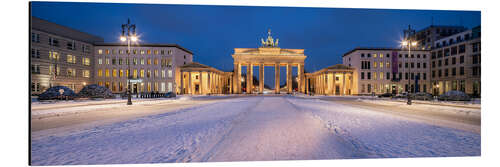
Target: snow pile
point(55, 93)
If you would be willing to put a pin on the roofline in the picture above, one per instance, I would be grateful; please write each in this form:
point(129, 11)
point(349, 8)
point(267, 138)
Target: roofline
point(93, 36)
point(377, 48)
point(443, 26)
point(146, 45)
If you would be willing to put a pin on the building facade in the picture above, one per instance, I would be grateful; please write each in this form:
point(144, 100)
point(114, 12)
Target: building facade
point(456, 63)
point(388, 70)
point(60, 56)
point(334, 80)
point(200, 79)
point(153, 67)
point(429, 35)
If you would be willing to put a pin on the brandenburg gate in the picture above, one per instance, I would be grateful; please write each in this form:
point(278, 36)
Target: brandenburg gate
point(269, 54)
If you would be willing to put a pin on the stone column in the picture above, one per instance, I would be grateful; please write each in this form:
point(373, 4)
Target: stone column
point(334, 83)
point(343, 83)
point(301, 82)
point(189, 83)
point(289, 78)
point(182, 83)
point(201, 83)
point(261, 78)
point(249, 78)
point(237, 78)
point(277, 78)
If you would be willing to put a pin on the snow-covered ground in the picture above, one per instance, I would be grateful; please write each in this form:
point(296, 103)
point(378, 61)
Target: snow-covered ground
point(253, 128)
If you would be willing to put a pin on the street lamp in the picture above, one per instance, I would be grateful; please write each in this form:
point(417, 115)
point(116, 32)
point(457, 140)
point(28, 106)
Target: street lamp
point(408, 42)
point(130, 35)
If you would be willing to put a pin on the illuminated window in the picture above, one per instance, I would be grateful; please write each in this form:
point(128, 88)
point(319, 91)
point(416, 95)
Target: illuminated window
point(71, 59)
point(170, 73)
point(142, 73)
point(163, 74)
point(71, 72)
point(156, 52)
point(107, 61)
point(107, 72)
point(381, 64)
point(381, 55)
point(99, 51)
point(135, 73)
point(86, 61)
point(169, 52)
point(135, 51)
point(142, 52)
point(381, 75)
point(388, 65)
point(100, 61)
point(121, 73)
point(149, 52)
point(107, 51)
point(156, 73)
point(114, 72)
point(86, 73)
point(99, 73)
point(142, 61)
point(374, 64)
point(53, 55)
point(149, 61)
point(156, 61)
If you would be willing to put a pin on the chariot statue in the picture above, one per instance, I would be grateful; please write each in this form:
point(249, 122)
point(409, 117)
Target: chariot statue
point(269, 42)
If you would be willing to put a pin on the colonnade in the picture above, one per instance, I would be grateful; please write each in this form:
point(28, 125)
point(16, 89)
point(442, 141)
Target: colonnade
point(277, 67)
point(205, 82)
point(331, 83)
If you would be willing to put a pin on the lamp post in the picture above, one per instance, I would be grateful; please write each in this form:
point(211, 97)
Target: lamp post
point(408, 42)
point(128, 36)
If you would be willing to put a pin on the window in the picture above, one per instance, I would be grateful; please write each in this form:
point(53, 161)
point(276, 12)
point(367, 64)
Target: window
point(412, 65)
point(454, 71)
point(71, 59)
point(113, 61)
point(142, 61)
point(107, 72)
point(107, 51)
point(70, 45)
point(381, 75)
point(362, 75)
point(418, 65)
point(368, 75)
point(381, 64)
point(148, 74)
point(86, 73)
point(374, 64)
point(433, 64)
point(425, 76)
point(462, 59)
point(433, 74)
point(35, 53)
point(445, 62)
point(142, 73)
point(170, 88)
point(476, 59)
point(149, 52)
point(99, 73)
point(53, 41)
point(35, 37)
point(424, 65)
point(156, 52)
point(440, 63)
point(100, 61)
point(462, 71)
point(375, 75)
point(461, 49)
point(445, 72)
point(454, 50)
point(406, 75)
point(107, 61)
point(71, 72)
point(170, 73)
point(406, 65)
point(142, 52)
point(170, 52)
point(120, 61)
point(440, 73)
point(476, 71)
point(149, 61)
point(446, 52)
point(162, 52)
point(388, 76)
point(440, 54)
point(35, 68)
point(163, 74)
point(156, 61)
point(121, 73)
point(115, 72)
point(53, 55)
point(424, 56)
point(99, 51)
point(86, 61)
point(433, 55)
point(475, 47)
point(388, 65)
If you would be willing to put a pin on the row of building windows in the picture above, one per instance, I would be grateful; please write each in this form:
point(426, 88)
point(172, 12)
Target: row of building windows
point(134, 51)
point(373, 75)
point(447, 72)
point(56, 70)
point(142, 73)
point(135, 61)
point(368, 55)
point(141, 87)
point(54, 56)
point(448, 51)
point(453, 61)
point(387, 88)
point(70, 45)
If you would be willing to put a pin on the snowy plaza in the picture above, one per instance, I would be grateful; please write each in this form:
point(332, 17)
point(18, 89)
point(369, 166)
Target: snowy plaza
point(249, 128)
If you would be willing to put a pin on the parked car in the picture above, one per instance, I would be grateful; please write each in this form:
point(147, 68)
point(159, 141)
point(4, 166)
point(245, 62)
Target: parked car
point(401, 95)
point(385, 95)
point(169, 95)
point(422, 96)
point(454, 96)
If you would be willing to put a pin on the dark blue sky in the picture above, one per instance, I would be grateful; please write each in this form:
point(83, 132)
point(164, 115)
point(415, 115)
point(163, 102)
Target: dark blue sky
point(212, 32)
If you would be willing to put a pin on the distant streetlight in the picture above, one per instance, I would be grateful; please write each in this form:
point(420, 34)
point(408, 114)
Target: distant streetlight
point(408, 42)
point(130, 35)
